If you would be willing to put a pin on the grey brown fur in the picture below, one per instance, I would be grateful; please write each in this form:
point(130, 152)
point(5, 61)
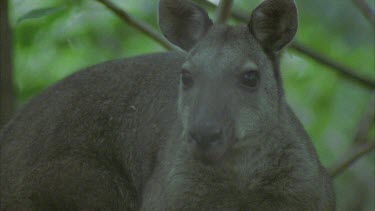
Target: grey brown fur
point(131, 135)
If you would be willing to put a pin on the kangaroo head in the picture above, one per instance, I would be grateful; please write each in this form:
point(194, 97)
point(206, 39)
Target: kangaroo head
point(230, 89)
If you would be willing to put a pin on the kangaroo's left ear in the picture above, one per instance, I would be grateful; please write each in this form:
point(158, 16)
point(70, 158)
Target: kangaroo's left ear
point(274, 23)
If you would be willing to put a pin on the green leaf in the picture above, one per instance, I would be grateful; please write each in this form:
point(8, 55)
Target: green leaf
point(41, 12)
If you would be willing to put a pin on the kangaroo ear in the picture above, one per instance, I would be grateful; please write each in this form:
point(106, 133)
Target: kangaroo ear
point(274, 23)
point(182, 22)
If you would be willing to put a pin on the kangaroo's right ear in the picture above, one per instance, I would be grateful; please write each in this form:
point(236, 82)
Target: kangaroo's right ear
point(182, 22)
point(274, 23)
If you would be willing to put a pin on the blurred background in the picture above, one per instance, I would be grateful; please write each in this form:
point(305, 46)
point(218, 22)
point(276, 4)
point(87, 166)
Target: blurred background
point(52, 39)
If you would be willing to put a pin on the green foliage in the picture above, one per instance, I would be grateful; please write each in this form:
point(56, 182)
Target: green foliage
point(53, 39)
point(38, 13)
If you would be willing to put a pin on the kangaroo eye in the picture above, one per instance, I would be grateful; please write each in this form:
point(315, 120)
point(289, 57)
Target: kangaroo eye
point(250, 79)
point(186, 79)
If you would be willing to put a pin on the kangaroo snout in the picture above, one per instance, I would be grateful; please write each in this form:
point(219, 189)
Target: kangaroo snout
point(210, 140)
point(206, 135)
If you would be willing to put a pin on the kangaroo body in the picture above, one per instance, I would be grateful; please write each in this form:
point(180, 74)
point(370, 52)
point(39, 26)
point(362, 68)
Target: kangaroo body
point(72, 149)
point(168, 131)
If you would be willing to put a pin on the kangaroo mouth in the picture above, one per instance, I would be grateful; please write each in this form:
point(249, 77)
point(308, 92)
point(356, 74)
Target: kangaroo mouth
point(214, 153)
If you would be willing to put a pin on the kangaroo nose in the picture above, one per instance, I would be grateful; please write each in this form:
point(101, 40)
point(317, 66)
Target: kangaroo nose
point(204, 137)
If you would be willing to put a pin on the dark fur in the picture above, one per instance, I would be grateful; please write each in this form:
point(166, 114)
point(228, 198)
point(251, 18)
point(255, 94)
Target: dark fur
point(90, 141)
point(110, 137)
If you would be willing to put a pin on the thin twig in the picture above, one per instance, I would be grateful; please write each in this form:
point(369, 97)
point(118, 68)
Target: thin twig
point(350, 158)
point(302, 49)
point(366, 10)
point(223, 11)
point(366, 122)
point(361, 146)
point(140, 25)
point(343, 70)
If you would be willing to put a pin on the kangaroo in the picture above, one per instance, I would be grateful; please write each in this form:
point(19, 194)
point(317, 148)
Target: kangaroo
point(207, 128)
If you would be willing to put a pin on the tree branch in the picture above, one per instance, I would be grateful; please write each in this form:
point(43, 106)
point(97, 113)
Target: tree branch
point(149, 31)
point(350, 158)
point(223, 11)
point(238, 15)
point(361, 146)
point(140, 25)
point(304, 50)
point(343, 70)
point(6, 81)
point(366, 10)
point(365, 123)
